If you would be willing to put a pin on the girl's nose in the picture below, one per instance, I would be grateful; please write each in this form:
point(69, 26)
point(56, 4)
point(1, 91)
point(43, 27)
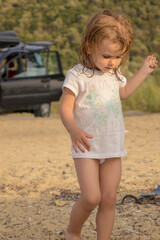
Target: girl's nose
point(111, 61)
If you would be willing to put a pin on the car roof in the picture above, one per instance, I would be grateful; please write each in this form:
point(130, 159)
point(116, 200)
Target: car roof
point(40, 43)
point(25, 48)
point(8, 38)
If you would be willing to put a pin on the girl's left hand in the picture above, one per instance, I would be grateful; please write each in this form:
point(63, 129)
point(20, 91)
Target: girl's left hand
point(149, 64)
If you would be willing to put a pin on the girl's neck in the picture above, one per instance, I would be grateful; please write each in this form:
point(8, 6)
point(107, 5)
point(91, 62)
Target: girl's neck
point(91, 67)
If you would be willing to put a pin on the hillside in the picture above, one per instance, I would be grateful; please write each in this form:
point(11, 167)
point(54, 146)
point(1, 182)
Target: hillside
point(62, 21)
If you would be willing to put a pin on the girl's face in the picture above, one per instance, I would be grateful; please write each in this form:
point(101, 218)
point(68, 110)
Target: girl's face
point(107, 55)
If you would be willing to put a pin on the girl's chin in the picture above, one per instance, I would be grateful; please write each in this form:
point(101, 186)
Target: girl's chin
point(107, 69)
point(104, 70)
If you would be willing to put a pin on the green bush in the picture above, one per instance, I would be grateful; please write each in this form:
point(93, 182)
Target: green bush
point(63, 21)
point(146, 98)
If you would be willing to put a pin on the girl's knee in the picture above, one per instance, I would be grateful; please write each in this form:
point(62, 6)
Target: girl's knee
point(109, 199)
point(92, 201)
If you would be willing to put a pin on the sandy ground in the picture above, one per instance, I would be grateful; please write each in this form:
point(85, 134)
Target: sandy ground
point(38, 185)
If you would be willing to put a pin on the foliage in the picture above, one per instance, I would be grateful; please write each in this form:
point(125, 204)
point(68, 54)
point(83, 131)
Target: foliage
point(62, 21)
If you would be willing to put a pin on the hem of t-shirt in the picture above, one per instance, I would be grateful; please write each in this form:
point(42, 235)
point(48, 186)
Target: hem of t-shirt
point(70, 87)
point(98, 156)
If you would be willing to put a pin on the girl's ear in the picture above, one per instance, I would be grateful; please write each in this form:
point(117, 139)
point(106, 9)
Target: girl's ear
point(88, 48)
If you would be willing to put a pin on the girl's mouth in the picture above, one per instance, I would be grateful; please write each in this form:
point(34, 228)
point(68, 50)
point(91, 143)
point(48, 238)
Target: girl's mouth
point(109, 68)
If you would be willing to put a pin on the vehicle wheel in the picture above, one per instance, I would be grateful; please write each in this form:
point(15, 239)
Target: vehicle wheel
point(43, 110)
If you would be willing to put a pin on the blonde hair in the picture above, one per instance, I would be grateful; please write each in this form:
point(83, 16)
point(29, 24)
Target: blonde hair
point(106, 25)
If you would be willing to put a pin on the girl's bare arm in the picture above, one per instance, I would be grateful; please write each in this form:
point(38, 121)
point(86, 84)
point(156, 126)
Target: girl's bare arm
point(78, 136)
point(134, 82)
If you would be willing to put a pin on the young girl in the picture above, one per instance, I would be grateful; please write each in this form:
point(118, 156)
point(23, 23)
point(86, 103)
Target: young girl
point(91, 112)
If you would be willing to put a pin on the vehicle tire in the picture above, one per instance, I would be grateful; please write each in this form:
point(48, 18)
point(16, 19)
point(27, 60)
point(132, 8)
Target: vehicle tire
point(43, 110)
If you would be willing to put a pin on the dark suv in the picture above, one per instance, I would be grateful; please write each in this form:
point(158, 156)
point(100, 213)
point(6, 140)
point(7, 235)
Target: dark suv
point(31, 75)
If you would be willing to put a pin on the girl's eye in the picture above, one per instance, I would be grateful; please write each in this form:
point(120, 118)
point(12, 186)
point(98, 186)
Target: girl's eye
point(107, 57)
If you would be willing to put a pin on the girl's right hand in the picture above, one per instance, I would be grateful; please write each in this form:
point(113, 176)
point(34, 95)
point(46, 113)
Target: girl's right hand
point(79, 139)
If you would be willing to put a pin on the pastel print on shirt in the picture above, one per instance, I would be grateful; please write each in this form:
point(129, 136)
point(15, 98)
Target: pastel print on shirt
point(103, 107)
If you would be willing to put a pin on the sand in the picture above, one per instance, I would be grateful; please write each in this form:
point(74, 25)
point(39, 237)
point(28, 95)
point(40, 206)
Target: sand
point(38, 184)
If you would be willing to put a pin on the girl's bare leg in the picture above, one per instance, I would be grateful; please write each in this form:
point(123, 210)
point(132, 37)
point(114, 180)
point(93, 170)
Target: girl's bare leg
point(110, 175)
point(88, 177)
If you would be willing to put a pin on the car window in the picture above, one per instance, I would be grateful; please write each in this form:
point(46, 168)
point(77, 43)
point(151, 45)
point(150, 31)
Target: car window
point(10, 66)
point(19, 65)
point(34, 64)
point(53, 67)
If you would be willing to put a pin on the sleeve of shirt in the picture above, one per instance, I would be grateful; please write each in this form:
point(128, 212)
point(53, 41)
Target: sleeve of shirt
point(122, 81)
point(71, 82)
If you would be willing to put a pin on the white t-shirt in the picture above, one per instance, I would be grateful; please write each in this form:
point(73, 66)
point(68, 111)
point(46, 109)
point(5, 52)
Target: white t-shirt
point(97, 110)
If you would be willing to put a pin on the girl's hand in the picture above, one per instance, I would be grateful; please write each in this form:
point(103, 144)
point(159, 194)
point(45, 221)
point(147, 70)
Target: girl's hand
point(149, 64)
point(79, 139)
